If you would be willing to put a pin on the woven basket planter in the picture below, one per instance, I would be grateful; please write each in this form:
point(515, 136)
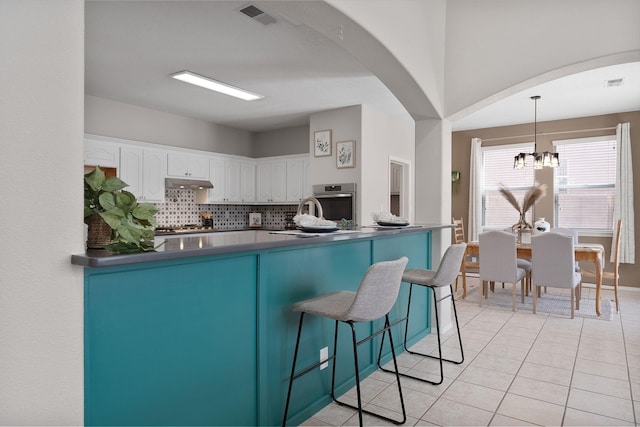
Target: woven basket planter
point(98, 233)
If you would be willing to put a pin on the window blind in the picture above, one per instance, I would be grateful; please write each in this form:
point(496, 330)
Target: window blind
point(498, 169)
point(584, 183)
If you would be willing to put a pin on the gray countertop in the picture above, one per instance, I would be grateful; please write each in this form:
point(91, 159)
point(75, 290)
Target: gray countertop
point(190, 245)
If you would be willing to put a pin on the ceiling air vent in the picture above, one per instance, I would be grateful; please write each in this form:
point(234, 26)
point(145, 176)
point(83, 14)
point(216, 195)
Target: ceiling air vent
point(613, 82)
point(258, 15)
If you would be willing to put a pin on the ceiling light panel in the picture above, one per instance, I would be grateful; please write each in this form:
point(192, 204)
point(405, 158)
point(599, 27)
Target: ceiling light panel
point(207, 83)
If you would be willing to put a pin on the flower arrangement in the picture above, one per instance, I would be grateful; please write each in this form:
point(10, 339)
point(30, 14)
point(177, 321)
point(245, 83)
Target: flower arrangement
point(533, 195)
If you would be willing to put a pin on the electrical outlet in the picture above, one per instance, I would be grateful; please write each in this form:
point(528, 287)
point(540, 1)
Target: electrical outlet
point(226, 215)
point(324, 355)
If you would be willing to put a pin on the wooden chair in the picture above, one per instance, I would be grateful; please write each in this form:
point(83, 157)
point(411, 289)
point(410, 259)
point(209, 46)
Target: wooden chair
point(610, 275)
point(469, 265)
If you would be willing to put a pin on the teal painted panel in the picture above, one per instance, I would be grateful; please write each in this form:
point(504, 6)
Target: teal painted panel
point(417, 247)
point(172, 344)
point(295, 275)
point(309, 273)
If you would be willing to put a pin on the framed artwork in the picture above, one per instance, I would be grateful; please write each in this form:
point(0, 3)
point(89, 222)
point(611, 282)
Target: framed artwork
point(322, 143)
point(345, 154)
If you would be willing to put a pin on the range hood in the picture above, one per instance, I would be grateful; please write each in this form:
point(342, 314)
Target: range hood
point(191, 184)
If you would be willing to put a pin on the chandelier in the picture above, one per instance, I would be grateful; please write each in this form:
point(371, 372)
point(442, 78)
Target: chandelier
point(540, 160)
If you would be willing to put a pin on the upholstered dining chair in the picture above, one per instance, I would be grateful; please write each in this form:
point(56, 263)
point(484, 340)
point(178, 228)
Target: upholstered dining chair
point(553, 259)
point(610, 275)
point(376, 295)
point(499, 263)
point(470, 265)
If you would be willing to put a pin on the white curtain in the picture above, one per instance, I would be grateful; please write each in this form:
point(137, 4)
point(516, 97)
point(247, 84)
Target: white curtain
point(475, 190)
point(623, 208)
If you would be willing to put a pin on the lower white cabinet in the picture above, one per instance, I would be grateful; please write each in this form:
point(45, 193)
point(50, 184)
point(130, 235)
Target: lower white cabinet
point(144, 170)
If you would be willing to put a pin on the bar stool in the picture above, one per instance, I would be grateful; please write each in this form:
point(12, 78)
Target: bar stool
point(374, 299)
point(444, 276)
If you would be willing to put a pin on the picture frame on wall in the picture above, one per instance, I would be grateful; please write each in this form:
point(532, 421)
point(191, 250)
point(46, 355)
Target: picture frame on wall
point(345, 154)
point(322, 143)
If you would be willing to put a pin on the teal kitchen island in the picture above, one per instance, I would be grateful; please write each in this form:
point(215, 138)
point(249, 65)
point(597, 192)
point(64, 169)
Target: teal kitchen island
point(201, 332)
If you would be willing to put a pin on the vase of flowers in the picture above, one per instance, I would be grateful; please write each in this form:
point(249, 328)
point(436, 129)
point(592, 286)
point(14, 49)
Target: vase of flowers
point(532, 196)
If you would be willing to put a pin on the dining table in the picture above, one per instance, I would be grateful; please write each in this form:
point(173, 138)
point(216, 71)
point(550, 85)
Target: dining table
point(590, 252)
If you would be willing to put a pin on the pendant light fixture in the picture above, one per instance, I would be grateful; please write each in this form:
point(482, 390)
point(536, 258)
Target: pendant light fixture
point(540, 160)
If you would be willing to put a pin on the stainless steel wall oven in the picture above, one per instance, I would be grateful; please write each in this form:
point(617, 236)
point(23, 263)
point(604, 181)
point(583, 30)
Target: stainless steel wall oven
point(338, 200)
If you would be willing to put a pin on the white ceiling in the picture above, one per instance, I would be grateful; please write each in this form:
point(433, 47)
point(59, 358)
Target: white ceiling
point(132, 48)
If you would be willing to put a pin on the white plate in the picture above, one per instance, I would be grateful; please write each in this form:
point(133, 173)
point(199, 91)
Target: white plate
point(319, 228)
point(392, 224)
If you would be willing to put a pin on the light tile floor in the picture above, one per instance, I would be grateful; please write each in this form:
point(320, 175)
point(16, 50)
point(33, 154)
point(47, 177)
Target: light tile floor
point(519, 369)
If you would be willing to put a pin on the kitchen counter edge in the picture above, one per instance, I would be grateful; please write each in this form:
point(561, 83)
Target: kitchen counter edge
point(98, 260)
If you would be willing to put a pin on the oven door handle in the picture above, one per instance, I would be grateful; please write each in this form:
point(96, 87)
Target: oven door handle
point(327, 196)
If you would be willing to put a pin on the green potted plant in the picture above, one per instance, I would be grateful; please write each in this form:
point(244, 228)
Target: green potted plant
point(116, 221)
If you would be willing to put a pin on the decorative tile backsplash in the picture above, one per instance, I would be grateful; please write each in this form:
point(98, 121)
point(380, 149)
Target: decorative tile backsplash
point(180, 208)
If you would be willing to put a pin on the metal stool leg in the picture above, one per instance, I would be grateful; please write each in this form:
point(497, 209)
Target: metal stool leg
point(293, 371)
point(439, 357)
point(356, 344)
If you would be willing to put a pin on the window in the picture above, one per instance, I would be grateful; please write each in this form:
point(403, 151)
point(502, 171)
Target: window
point(497, 212)
point(584, 183)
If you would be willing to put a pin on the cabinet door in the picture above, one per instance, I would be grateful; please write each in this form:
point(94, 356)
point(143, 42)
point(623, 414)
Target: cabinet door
point(279, 181)
point(130, 170)
point(188, 166)
point(217, 176)
point(177, 165)
point(263, 182)
point(248, 181)
point(233, 181)
point(154, 167)
point(198, 167)
point(306, 186)
point(295, 173)
point(101, 153)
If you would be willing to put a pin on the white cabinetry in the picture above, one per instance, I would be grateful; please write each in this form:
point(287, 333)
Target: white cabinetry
point(296, 181)
point(247, 181)
point(271, 182)
point(101, 153)
point(233, 181)
point(144, 170)
point(192, 166)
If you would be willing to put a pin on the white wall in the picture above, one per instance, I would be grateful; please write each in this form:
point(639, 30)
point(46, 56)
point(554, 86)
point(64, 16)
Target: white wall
point(383, 137)
point(433, 180)
point(119, 120)
point(281, 142)
point(345, 124)
point(41, 293)
point(545, 39)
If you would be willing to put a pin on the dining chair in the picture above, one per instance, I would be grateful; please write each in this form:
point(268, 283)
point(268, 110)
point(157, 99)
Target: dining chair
point(375, 297)
point(470, 264)
point(553, 259)
point(610, 275)
point(499, 262)
point(524, 264)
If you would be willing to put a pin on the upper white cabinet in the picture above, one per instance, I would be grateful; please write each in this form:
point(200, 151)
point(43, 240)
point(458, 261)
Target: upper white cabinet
point(181, 165)
point(101, 153)
point(233, 181)
point(247, 181)
point(271, 181)
point(154, 166)
point(295, 180)
point(144, 170)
